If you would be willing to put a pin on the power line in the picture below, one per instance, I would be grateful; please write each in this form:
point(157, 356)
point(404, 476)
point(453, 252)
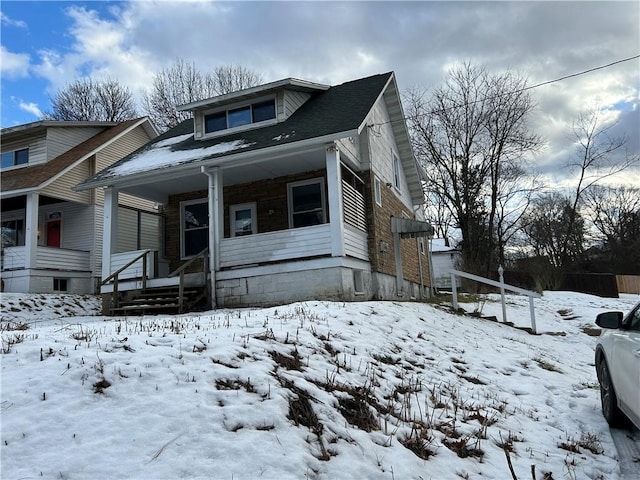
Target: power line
point(583, 72)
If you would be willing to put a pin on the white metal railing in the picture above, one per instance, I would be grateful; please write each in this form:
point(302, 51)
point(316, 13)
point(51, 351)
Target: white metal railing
point(502, 286)
point(276, 246)
point(52, 258)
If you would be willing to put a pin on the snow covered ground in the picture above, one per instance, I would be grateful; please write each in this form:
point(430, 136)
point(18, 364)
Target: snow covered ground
point(375, 390)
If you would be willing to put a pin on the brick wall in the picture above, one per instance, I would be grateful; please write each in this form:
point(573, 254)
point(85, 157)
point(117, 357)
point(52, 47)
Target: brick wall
point(379, 221)
point(269, 195)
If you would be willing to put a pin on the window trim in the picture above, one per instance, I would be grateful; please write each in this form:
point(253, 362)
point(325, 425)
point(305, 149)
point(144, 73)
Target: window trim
point(238, 106)
point(251, 206)
point(377, 190)
point(302, 183)
point(396, 170)
point(183, 230)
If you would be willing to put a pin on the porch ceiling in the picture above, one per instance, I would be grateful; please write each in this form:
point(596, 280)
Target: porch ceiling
point(248, 170)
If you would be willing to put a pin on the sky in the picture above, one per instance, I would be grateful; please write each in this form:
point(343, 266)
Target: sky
point(314, 390)
point(47, 44)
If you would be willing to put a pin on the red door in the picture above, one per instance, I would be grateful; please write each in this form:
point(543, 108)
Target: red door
point(53, 233)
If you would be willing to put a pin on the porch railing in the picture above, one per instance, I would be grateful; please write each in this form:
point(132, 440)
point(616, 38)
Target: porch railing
point(51, 258)
point(276, 246)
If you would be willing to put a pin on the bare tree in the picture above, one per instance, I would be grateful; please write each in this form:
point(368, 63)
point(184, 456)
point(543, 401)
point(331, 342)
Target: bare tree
point(599, 155)
point(614, 213)
point(468, 134)
point(516, 191)
point(544, 227)
point(87, 99)
point(183, 83)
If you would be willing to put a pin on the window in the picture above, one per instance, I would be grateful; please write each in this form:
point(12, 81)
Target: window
point(237, 117)
point(396, 170)
point(306, 203)
point(358, 284)
point(242, 219)
point(60, 285)
point(377, 190)
point(17, 157)
point(194, 227)
point(13, 233)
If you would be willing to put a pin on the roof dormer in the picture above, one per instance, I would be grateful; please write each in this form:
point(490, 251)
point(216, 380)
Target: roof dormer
point(250, 108)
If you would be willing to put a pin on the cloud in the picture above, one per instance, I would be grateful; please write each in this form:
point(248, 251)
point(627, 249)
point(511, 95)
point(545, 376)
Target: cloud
point(31, 108)
point(13, 65)
point(332, 42)
point(5, 20)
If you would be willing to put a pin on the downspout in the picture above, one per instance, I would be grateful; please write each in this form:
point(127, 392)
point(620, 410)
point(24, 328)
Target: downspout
point(420, 268)
point(213, 202)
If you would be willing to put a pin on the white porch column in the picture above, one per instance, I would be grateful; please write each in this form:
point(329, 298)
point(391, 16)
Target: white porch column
point(110, 229)
point(215, 200)
point(31, 231)
point(334, 188)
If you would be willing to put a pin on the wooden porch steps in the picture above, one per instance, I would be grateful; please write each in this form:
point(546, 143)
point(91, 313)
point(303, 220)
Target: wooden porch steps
point(161, 300)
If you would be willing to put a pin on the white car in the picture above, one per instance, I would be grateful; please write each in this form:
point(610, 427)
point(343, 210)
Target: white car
point(618, 366)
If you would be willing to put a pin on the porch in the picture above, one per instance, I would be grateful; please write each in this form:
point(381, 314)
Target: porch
point(47, 258)
point(313, 212)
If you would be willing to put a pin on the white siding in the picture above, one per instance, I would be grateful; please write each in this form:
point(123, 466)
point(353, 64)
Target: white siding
point(381, 143)
point(77, 225)
point(36, 145)
point(276, 246)
point(62, 186)
point(59, 259)
point(355, 243)
point(127, 230)
point(355, 213)
point(292, 101)
point(62, 139)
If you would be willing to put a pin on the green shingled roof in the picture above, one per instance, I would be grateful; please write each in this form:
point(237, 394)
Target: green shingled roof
point(341, 108)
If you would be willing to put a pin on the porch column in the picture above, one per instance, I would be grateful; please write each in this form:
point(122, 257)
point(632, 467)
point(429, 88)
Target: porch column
point(110, 229)
point(31, 231)
point(215, 200)
point(334, 188)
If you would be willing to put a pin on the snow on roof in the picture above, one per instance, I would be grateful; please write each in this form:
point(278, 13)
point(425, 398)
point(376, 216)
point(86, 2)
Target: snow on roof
point(438, 245)
point(163, 154)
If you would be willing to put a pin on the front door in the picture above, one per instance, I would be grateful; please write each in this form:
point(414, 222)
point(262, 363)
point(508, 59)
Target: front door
point(53, 233)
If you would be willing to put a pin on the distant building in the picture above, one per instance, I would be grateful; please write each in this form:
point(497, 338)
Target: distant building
point(443, 259)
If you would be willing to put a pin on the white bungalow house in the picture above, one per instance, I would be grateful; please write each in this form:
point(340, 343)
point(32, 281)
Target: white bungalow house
point(52, 235)
point(282, 192)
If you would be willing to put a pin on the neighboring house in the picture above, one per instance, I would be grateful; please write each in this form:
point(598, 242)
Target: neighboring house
point(52, 235)
point(295, 187)
point(443, 259)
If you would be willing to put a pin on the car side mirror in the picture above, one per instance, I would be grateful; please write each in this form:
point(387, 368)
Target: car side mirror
point(609, 319)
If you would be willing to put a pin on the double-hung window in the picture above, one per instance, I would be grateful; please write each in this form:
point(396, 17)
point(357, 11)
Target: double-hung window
point(16, 157)
point(307, 204)
point(396, 170)
point(194, 226)
point(242, 219)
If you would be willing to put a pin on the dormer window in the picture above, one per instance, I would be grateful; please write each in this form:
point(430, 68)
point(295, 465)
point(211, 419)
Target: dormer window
point(17, 157)
point(257, 112)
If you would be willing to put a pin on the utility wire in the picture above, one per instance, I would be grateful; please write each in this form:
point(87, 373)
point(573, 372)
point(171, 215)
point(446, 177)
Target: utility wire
point(584, 72)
